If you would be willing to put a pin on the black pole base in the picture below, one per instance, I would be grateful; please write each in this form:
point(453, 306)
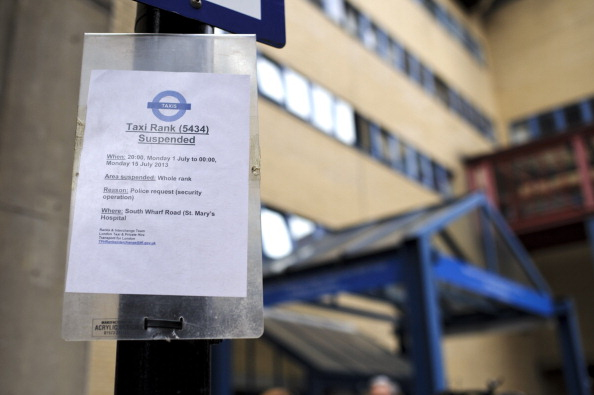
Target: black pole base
point(158, 367)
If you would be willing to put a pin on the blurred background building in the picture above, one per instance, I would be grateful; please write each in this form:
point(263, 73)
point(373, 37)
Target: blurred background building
point(372, 110)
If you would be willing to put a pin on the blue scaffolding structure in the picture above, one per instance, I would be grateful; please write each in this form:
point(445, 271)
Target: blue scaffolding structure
point(444, 290)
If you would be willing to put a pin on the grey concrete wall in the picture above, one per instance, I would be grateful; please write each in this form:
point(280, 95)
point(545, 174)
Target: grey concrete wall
point(40, 55)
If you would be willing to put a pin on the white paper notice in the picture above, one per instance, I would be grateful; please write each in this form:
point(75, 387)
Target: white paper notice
point(162, 195)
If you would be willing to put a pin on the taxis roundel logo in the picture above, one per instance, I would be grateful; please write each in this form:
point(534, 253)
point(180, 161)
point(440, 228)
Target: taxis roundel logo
point(172, 108)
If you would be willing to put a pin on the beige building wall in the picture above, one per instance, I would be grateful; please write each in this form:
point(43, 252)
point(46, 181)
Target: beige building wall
point(543, 59)
point(541, 55)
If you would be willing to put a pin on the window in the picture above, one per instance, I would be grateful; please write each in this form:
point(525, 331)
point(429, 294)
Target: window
point(443, 180)
point(398, 56)
point(546, 124)
point(323, 109)
point(426, 172)
point(396, 150)
point(455, 28)
point(276, 239)
point(442, 92)
point(345, 123)
point(573, 115)
point(301, 227)
point(412, 163)
point(333, 116)
point(270, 80)
point(351, 19)
point(363, 134)
point(587, 113)
point(428, 80)
point(335, 10)
point(298, 100)
point(384, 48)
point(413, 67)
point(377, 143)
point(520, 132)
point(374, 38)
point(367, 32)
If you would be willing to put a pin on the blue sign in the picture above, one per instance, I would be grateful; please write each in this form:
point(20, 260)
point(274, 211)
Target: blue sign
point(264, 18)
point(157, 105)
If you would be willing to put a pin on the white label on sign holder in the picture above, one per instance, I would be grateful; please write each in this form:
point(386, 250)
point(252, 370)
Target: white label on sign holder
point(251, 8)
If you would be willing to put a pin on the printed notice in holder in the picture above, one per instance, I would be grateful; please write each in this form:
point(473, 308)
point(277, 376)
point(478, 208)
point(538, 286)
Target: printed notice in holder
point(161, 200)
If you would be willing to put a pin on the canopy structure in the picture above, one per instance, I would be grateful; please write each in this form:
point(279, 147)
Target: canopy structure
point(334, 354)
point(439, 281)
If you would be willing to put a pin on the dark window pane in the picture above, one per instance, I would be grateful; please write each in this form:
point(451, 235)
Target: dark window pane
point(363, 134)
point(546, 123)
point(573, 115)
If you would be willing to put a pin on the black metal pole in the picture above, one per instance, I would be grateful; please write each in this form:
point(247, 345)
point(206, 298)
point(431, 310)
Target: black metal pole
point(159, 367)
point(155, 20)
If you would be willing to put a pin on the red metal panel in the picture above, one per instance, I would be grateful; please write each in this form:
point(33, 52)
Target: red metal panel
point(540, 185)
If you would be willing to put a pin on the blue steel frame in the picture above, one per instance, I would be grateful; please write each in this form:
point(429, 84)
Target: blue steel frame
point(420, 269)
point(270, 29)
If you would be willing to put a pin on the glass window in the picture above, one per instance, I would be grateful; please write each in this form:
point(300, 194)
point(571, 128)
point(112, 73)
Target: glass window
point(443, 180)
point(335, 10)
point(560, 122)
point(345, 123)
point(323, 106)
point(546, 123)
point(442, 14)
point(412, 163)
point(276, 239)
point(428, 80)
point(395, 152)
point(520, 132)
point(413, 67)
point(301, 227)
point(363, 134)
point(398, 56)
point(377, 150)
point(573, 115)
point(455, 103)
point(367, 32)
point(298, 99)
point(383, 45)
point(270, 80)
point(426, 172)
point(351, 19)
point(587, 113)
point(442, 92)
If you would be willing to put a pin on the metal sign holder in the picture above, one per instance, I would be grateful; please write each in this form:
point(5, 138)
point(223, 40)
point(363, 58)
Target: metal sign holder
point(164, 341)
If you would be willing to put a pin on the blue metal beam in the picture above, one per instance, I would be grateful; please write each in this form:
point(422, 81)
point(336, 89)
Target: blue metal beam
point(493, 286)
point(576, 374)
point(488, 242)
point(441, 220)
point(589, 224)
point(353, 275)
point(423, 319)
point(516, 247)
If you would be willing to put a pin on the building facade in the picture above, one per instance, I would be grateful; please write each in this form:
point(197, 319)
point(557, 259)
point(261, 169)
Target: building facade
point(371, 110)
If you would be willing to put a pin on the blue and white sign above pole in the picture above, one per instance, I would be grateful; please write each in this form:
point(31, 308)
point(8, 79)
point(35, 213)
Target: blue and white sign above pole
point(264, 18)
